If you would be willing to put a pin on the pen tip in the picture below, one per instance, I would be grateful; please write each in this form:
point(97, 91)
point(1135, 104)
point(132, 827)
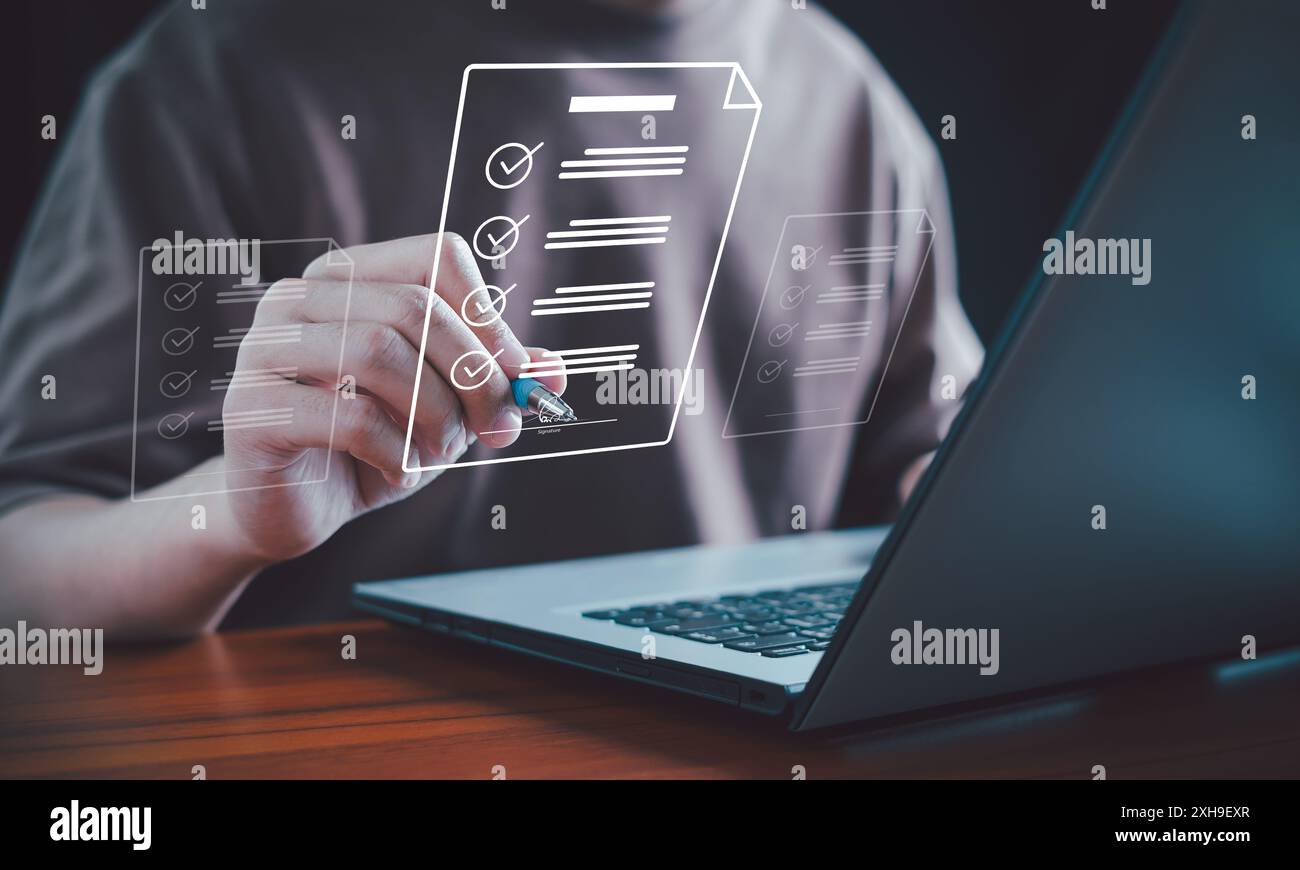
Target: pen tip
point(558, 410)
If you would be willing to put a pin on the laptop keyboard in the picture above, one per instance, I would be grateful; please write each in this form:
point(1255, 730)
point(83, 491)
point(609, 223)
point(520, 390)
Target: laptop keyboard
point(777, 624)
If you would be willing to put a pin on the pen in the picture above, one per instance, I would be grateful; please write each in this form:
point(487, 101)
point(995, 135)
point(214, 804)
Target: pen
point(532, 396)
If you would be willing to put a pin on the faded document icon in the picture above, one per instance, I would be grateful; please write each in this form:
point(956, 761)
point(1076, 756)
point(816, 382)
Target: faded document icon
point(831, 314)
point(190, 326)
point(596, 199)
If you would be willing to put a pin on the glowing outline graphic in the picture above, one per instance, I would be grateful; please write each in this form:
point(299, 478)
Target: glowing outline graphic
point(728, 103)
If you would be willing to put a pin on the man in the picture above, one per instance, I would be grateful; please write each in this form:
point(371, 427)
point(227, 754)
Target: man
point(224, 123)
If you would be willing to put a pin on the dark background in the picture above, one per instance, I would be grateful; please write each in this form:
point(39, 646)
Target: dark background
point(1035, 86)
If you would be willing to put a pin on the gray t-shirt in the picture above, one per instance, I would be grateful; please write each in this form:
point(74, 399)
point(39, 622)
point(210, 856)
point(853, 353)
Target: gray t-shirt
point(225, 123)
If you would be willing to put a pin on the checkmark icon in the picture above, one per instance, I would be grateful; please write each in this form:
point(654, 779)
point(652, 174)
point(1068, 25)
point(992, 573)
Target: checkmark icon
point(492, 301)
point(497, 246)
point(781, 333)
point(477, 370)
point(485, 306)
point(793, 296)
point(173, 426)
point(770, 371)
point(181, 296)
point(176, 384)
point(510, 174)
point(528, 155)
point(467, 377)
point(178, 341)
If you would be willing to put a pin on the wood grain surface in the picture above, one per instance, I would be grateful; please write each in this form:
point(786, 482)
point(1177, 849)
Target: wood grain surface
point(284, 703)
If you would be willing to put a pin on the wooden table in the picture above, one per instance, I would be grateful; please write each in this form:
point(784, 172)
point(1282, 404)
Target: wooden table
point(284, 703)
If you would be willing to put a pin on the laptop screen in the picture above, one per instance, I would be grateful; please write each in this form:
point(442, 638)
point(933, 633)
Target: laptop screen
point(1121, 491)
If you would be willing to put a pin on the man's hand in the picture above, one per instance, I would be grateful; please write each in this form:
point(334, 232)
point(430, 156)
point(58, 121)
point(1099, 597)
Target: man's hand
point(139, 570)
point(912, 476)
point(380, 348)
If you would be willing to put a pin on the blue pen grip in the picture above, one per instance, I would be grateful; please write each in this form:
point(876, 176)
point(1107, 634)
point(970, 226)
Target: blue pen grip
point(521, 388)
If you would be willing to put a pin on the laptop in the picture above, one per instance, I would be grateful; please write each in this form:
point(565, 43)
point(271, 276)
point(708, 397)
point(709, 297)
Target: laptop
point(1119, 492)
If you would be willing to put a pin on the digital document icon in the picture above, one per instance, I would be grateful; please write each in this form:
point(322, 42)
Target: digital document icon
point(586, 204)
point(189, 335)
point(836, 297)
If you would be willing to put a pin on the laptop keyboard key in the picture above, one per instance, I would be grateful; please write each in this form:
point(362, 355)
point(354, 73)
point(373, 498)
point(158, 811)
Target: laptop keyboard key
point(818, 633)
point(704, 623)
point(602, 614)
point(784, 652)
point(639, 620)
point(721, 635)
point(811, 621)
point(772, 627)
point(772, 641)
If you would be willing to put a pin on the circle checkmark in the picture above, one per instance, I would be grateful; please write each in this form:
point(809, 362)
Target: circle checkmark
point(473, 369)
point(499, 231)
point(770, 371)
point(781, 334)
point(793, 296)
point(178, 341)
point(174, 426)
point(176, 384)
point(510, 165)
point(485, 305)
point(181, 296)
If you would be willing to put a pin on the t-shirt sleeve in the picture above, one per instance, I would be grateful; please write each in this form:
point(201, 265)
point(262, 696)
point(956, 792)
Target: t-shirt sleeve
point(133, 168)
